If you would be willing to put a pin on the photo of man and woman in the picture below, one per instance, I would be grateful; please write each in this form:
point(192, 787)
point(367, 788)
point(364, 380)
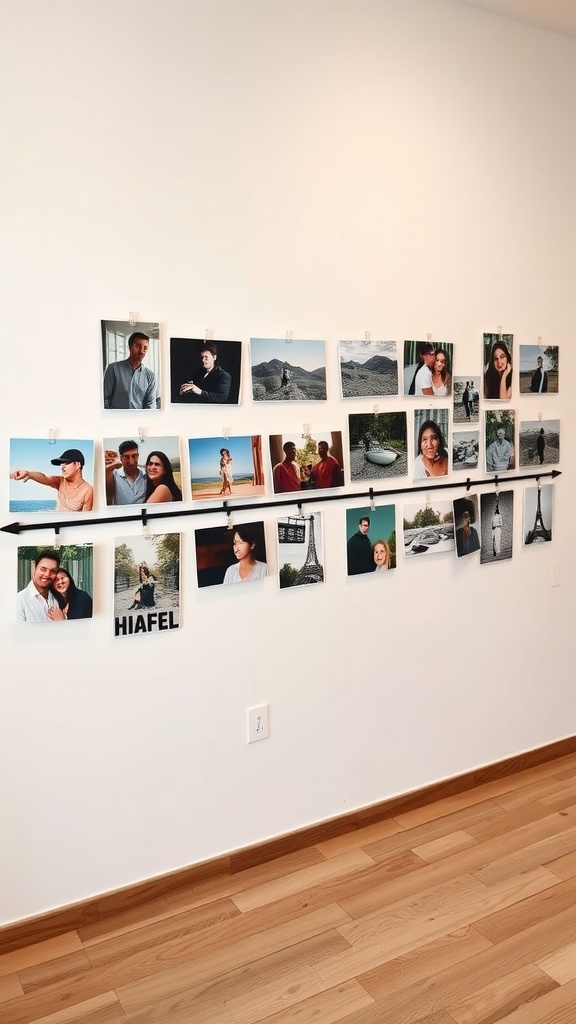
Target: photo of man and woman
point(431, 427)
point(378, 446)
point(466, 392)
point(370, 539)
point(54, 584)
point(498, 367)
point(146, 584)
point(538, 370)
point(205, 372)
point(497, 521)
point(230, 467)
point(368, 369)
point(230, 555)
point(300, 550)
point(428, 529)
point(288, 371)
point(146, 471)
point(466, 521)
point(302, 463)
point(428, 369)
point(69, 488)
point(131, 360)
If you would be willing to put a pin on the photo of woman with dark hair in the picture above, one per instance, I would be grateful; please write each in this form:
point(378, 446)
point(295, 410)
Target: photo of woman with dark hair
point(498, 370)
point(160, 482)
point(73, 603)
point(441, 378)
point(247, 566)
point(432, 459)
point(144, 596)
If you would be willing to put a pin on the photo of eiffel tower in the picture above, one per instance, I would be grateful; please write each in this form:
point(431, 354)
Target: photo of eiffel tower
point(539, 531)
point(297, 569)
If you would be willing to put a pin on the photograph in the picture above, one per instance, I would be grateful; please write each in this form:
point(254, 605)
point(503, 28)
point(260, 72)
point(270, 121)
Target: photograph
point(378, 445)
point(226, 467)
point(431, 431)
point(538, 508)
point(143, 471)
point(300, 550)
point(499, 439)
point(428, 369)
point(428, 528)
point(466, 391)
point(467, 524)
point(58, 475)
point(54, 584)
point(205, 372)
point(146, 584)
point(285, 370)
point(538, 370)
point(539, 443)
point(302, 463)
point(465, 448)
point(131, 362)
point(230, 555)
point(497, 363)
point(497, 526)
point(368, 369)
point(370, 539)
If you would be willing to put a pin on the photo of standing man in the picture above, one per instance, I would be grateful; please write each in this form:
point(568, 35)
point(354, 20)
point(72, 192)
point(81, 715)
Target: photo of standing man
point(129, 383)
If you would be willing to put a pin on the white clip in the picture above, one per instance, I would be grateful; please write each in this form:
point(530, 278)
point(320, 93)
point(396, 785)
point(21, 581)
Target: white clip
point(225, 433)
point(428, 499)
point(539, 339)
point(51, 436)
point(306, 432)
point(299, 507)
point(133, 319)
point(428, 337)
point(57, 538)
point(229, 523)
point(141, 434)
point(367, 337)
point(499, 331)
point(540, 417)
point(208, 334)
point(376, 409)
point(289, 336)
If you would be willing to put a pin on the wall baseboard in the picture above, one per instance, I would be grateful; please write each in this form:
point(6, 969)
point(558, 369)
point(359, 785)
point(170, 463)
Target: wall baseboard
point(56, 922)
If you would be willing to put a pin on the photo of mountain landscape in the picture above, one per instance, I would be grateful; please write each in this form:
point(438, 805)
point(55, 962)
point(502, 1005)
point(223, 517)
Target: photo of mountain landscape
point(368, 369)
point(287, 371)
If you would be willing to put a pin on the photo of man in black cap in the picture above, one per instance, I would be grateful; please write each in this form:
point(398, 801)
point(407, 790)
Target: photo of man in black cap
point(75, 494)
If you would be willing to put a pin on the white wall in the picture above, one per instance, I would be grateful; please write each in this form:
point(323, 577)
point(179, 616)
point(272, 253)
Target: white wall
point(321, 166)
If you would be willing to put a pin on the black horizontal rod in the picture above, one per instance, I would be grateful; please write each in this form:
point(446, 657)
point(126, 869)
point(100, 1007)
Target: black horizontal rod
point(145, 515)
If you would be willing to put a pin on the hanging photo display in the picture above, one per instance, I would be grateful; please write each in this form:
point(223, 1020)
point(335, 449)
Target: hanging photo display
point(497, 522)
point(205, 372)
point(499, 439)
point(538, 370)
point(431, 428)
point(465, 448)
point(428, 369)
point(498, 367)
point(288, 371)
point(51, 476)
point(428, 528)
point(300, 550)
point(131, 360)
point(146, 584)
point(538, 508)
point(370, 539)
point(54, 584)
point(145, 471)
point(309, 462)
point(368, 369)
point(466, 521)
point(231, 554)
point(230, 467)
point(466, 391)
point(539, 443)
point(378, 447)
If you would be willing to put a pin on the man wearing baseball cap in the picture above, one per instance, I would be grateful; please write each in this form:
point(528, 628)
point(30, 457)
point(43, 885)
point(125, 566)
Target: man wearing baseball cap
point(74, 493)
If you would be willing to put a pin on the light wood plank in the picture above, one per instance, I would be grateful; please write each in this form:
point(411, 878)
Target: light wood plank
point(564, 867)
point(360, 837)
point(530, 856)
point(10, 988)
point(99, 1009)
point(50, 949)
point(270, 892)
point(445, 846)
point(560, 965)
point(278, 995)
point(504, 923)
point(53, 971)
point(486, 1005)
point(556, 1007)
point(327, 1007)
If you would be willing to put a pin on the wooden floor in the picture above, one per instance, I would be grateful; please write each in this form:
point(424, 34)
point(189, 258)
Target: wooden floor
point(463, 911)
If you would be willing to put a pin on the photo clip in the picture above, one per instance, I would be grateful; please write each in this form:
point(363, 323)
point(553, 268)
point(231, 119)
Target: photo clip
point(496, 484)
point(133, 319)
point(371, 496)
point(540, 417)
point(208, 334)
point(144, 515)
point(367, 337)
point(229, 523)
point(225, 433)
point(141, 434)
point(499, 331)
point(289, 336)
point(57, 538)
point(299, 507)
point(51, 436)
point(468, 484)
point(376, 409)
point(306, 432)
point(428, 337)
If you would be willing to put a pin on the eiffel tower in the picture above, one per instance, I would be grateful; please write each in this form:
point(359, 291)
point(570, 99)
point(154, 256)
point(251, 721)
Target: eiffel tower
point(539, 531)
point(311, 571)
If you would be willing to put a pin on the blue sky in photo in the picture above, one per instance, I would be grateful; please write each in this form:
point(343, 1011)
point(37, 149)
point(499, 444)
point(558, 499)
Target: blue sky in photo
point(310, 355)
point(35, 454)
point(205, 456)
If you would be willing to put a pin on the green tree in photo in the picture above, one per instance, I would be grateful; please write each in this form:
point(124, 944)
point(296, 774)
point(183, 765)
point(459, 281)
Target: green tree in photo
point(287, 575)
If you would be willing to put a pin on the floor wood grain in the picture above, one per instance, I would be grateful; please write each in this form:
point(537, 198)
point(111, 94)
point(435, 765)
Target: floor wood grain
point(460, 912)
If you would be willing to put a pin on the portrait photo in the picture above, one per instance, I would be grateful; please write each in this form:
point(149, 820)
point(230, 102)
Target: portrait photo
point(466, 393)
point(538, 509)
point(370, 539)
point(54, 584)
point(300, 550)
point(467, 523)
point(428, 528)
point(428, 369)
point(142, 470)
point(465, 448)
point(230, 555)
point(146, 584)
point(497, 363)
point(431, 436)
point(205, 372)
point(226, 467)
point(286, 370)
point(538, 370)
point(306, 463)
point(539, 442)
point(51, 476)
point(497, 526)
point(378, 445)
point(131, 363)
point(368, 369)
point(499, 440)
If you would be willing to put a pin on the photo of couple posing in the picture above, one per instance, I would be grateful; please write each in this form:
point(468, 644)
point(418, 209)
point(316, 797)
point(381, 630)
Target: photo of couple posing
point(54, 585)
point(427, 369)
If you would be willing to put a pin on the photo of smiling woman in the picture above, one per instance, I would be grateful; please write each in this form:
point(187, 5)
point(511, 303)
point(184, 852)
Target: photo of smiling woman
point(498, 367)
point(431, 456)
point(160, 482)
point(230, 556)
point(247, 566)
point(73, 603)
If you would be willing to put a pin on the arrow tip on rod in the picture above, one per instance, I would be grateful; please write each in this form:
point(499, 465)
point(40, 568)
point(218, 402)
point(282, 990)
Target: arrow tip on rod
point(556, 472)
point(11, 528)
